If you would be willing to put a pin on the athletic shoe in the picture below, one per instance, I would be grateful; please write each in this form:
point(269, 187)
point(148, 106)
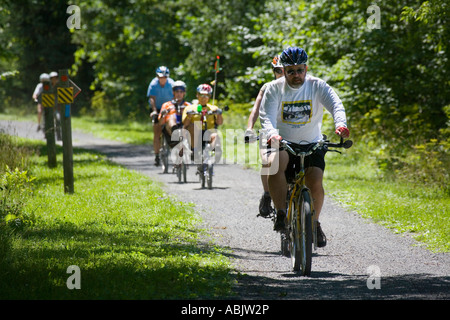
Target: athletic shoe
point(265, 209)
point(280, 223)
point(321, 239)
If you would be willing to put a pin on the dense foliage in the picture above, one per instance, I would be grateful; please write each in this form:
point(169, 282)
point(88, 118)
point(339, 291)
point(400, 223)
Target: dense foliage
point(388, 60)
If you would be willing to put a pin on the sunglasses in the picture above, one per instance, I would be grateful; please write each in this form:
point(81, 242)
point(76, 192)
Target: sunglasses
point(278, 70)
point(295, 71)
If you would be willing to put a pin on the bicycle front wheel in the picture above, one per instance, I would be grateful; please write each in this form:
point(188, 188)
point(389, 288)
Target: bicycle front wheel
point(184, 165)
point(203, 175)
point(306, 235)
point(210, 176)
point(301, 235)
point(179, 169)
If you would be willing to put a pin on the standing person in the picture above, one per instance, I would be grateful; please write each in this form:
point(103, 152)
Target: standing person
point(304, 97)
point(159, 91)
point(265, 208)
point(37, 97)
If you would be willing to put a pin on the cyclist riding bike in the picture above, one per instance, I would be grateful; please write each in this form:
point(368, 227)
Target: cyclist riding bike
point(292, 109)
point(265, 208)
point(37, 97)
point(171, 112)
point(192, 120)
point(158, 92)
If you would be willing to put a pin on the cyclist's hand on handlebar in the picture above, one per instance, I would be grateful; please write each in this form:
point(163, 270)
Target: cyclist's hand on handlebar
point(218, 111)
point(343, 132)
point(274, 140)
point(154, 116)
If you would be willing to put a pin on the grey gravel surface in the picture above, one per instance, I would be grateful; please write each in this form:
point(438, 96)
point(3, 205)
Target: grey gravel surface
point(341, 270)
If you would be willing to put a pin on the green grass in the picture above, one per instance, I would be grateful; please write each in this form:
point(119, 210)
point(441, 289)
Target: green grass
point(353, 180)
point(132, 132)
point(129, 239)
point(419, 210)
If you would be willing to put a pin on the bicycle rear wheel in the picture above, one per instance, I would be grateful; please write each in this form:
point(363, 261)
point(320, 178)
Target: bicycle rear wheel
point(284, 237)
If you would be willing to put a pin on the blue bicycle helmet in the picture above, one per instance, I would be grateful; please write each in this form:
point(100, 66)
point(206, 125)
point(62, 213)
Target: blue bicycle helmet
point(293, 56)
point(162, 71)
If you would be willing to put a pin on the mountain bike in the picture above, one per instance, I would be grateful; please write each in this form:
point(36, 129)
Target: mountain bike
point(300, 235)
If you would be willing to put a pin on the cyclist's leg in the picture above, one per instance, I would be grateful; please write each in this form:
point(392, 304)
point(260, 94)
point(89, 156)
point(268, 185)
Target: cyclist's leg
point(171, 123)
point(314, 178)
point(157, 130)
point(315, 166)
point(277, 162)
point(39, 115)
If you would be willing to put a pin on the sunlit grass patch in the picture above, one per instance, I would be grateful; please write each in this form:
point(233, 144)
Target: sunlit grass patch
point(420, 210)
point(129, 239)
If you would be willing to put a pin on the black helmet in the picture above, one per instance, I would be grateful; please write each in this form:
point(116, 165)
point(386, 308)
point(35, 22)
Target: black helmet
point(293, 56)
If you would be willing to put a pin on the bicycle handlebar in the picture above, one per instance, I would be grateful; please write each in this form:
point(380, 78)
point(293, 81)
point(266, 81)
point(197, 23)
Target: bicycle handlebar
point(342, 144)
point(308, 149)
point(207, 113)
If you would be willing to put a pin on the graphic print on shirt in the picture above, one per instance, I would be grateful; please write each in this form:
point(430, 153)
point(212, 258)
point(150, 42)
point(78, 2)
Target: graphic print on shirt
point(296, 112)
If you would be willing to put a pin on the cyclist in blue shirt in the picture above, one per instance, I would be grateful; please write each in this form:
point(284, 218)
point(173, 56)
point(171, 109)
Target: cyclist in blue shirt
point(159, 91)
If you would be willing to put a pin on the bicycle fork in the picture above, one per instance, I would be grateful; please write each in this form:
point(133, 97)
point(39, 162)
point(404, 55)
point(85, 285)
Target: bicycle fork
point(293, 194)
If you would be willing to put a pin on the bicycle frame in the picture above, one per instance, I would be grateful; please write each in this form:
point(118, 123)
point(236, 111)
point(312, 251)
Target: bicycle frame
point(297, 188)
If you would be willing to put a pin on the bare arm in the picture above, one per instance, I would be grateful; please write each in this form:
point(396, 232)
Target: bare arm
point(255, 111)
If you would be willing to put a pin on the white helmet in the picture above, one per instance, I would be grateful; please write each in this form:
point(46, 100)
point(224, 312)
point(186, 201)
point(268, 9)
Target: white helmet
point(53, 74)
point(204, 89)
point(276, 63)
point(44, 77)
point(179, 85)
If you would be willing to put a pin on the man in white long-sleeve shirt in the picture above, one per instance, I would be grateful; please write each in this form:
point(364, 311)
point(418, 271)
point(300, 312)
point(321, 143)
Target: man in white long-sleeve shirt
point(292, 109)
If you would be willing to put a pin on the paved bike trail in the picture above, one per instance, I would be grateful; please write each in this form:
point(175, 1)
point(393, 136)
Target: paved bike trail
point(362, 260)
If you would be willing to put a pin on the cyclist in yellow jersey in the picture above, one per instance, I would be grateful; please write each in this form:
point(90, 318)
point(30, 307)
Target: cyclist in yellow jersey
point(213, 115)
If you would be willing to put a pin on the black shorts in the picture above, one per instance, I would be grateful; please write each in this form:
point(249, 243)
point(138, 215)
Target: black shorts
point(317, 159)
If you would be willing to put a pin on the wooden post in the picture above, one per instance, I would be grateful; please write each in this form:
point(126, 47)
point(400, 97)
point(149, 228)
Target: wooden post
point(65, 98)
point(48, 102)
